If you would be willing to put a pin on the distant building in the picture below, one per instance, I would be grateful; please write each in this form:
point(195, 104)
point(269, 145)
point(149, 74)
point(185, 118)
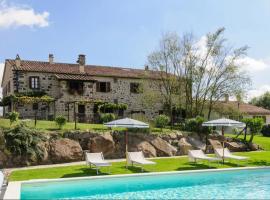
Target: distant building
point(238, 110)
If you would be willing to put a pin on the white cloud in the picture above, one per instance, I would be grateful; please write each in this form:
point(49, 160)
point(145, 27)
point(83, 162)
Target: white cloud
point(248, 63)
point(18, 15)
point(258, 91)
point(252, 65)
point(2, 65)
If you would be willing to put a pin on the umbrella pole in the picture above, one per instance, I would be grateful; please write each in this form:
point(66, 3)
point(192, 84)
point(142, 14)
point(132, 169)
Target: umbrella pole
point(222, 130)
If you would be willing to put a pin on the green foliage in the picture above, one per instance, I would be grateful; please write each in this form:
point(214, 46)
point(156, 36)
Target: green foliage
point(8, 99)
point(255, 126)
point(23, 141)
point(31, 94)
point(266, 130)
point(262, 101)
point(103, 107)
point(161, 121)
point(25, 99)
point(195, 125)
point(107, 117)
point(112, 107)
point(60, 121)
point(13, 117)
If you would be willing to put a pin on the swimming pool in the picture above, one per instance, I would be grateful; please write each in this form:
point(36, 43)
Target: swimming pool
point(206, 184)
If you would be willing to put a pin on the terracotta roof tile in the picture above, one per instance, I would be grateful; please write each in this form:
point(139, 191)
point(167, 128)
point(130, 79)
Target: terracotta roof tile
point(247, 108)
point(90, 70)
point(74, 77)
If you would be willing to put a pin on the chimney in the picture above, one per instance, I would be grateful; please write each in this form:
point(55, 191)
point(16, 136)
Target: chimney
point(146, 67)
point(81, 61)
point(18, 61)
point(51, 58)
point(226, 97)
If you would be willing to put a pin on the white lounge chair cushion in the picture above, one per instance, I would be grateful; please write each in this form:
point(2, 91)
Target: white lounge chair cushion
point(138, 157)
point(228, 154)
point(1, 180)
point(97, 159)
point(199, 154)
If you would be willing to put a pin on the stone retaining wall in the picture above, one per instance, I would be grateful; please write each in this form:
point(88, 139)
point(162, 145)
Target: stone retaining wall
point(71, 146)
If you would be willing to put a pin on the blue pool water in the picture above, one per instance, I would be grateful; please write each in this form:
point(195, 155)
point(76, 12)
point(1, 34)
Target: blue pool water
point(236, 184)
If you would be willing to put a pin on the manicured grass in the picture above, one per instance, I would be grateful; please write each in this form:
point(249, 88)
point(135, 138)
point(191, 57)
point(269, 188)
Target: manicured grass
point(51, 126)
point(168, 164)
point(260, 140)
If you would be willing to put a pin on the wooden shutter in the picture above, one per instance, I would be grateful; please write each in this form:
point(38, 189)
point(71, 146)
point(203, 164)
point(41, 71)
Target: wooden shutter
point(108, 87)
point(38, 83)
point(97, 87)
point(30, 82)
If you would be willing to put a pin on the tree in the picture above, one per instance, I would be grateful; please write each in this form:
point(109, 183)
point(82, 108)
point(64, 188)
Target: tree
point(216, 71)
point(262, 101)
point(255, 125)
point(200, 72)
point(165, 61)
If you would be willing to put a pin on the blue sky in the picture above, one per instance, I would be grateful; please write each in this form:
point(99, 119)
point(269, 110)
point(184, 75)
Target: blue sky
point(124, 32)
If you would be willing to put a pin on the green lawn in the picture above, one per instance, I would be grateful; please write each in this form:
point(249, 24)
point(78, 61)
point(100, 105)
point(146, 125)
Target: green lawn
point(168, 164)
point(262, 141)
point(51, 126)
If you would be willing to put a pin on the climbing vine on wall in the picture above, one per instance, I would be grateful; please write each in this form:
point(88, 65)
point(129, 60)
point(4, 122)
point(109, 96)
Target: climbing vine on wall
point(23, 98)
point(103, 107)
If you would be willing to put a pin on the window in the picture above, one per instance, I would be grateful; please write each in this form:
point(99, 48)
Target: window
point(35, 106)
point(103, 86)
point(76, 87)
point(120, 113)
point(34, 82)
point(135, 88)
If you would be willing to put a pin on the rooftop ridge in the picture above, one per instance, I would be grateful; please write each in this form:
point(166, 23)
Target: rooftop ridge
point(76, 64)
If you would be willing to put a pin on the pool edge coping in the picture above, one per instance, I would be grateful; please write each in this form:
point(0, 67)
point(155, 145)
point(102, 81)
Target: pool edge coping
point(14, 187)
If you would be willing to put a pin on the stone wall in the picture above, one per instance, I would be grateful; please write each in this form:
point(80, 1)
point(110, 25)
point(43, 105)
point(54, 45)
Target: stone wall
point(120, 92)
point(48, 83)
point(71, 146)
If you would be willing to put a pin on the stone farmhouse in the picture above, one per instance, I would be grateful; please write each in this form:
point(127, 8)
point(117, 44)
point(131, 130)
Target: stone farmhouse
point(70, 84)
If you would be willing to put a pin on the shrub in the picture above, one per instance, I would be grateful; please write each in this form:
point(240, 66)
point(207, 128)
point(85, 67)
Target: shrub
point(162, 121)
point(195, 125)
point(107, 117)
point(23, 141)
point(13, 117)
point(60, 121)
point(266, 130)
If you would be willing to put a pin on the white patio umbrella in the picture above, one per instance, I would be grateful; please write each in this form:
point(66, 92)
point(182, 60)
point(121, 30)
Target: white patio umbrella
point(224, 122)
point(127, 123)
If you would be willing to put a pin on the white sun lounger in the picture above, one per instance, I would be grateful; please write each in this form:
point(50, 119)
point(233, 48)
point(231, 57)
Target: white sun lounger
point(1, 180)
point(138, 158)
point(228, 154)
point(195, 155)
point(97, 160)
